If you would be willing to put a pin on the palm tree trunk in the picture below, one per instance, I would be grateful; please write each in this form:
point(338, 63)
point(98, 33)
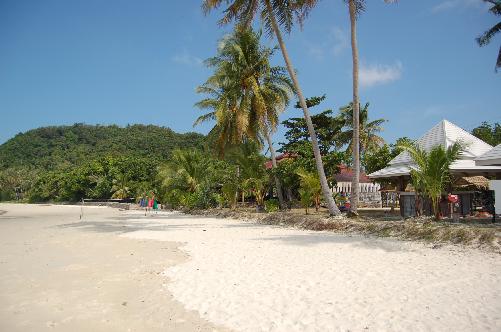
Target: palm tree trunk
point(356, 111)
point(274, 164)
point(331, 205)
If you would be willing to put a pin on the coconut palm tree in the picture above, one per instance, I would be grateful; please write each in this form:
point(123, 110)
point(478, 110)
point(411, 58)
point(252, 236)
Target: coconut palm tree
point(368, 130)
point(431, 170)
point(186, 170)
point(486, 37)
point(259, 92)
point(356, 7)
point(121, 189)
point(274, 13)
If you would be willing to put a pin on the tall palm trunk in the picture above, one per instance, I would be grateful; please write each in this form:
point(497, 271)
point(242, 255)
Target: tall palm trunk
point(356, 111)
point(274, 164)
point(333, 209)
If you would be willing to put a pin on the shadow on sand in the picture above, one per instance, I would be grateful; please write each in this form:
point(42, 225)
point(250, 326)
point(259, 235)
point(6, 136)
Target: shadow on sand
point(158, 223)
point(312, 239)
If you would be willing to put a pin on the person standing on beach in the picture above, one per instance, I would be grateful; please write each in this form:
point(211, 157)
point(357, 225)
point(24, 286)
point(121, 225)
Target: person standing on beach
point(151, 201)
point(155, 204)
point(143, 203)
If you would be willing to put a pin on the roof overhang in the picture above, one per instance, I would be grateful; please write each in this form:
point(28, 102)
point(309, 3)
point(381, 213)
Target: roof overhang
point(398, 171)
point(488, 162)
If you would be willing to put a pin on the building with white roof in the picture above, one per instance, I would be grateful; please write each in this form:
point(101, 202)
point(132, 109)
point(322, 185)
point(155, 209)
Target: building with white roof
point(490, 158)
point(477, 159)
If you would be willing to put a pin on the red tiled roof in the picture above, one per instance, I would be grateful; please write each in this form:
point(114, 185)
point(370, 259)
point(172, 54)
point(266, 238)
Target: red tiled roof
point(279, 158)
point(346, 175)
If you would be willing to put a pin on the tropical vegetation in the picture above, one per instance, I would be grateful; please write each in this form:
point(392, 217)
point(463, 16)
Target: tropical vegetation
point(431, 172)
point(276, 14)
point(246, 93)
point(486, 37)
point(68, 163)
point(489, 133)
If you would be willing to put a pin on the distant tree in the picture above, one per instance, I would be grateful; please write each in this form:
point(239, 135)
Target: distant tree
point(327, 126)
point(121, 188)
point(329, 130)
point(490, 134)
point(368, 130)
point(486, 37)
point(379, 158)
point(60, 147)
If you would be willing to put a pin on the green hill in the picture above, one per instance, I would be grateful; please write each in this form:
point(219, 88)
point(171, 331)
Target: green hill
point(68, 163)
point(59, 146)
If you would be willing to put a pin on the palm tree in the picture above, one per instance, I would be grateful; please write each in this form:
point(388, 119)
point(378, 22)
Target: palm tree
point(486, 37)
point(356, 7)
point(186, 170)
point(431, 171)
point(121, 189)
point(257, 91)
point(368, 131)
point(287, 12)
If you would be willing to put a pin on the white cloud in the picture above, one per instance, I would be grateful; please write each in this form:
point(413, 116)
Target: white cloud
point(340, 40)
point(370, 75)
point(457, 4)
point(185, 58)
point(334, 43)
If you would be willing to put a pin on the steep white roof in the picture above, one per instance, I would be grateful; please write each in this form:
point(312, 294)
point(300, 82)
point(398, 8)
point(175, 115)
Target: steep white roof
point(446, 133)
point(491, 157)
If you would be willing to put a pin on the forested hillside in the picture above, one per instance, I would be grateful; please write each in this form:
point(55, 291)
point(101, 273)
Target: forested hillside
point(52, 147)
point(68, 163)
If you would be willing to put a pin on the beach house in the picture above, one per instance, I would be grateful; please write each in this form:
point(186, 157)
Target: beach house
point(470, 175)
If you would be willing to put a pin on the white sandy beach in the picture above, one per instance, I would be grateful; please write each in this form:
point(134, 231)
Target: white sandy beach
point(239, 276)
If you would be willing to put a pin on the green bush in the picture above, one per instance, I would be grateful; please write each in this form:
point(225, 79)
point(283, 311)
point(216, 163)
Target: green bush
point(271, 205)
point(202, 198)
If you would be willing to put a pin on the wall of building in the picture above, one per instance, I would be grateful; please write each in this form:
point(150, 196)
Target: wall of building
point(369, 194)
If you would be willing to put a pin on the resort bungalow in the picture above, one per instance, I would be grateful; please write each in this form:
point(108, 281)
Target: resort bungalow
point(478, 163)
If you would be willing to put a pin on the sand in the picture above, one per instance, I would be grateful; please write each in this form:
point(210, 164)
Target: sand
point(253, 277)
point(59, 272)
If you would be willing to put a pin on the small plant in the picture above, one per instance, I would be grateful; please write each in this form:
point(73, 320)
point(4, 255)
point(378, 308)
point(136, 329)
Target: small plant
point(310, 189)
point(230, 194)
point(271, 205)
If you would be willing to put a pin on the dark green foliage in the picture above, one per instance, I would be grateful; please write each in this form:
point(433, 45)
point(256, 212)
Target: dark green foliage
point(379, 157)
point(490, 134)
point(59, 146)
point(271, 205)
point(193, 179)
point(329, 131)
point(98, 179)
point(327, 127)
point(486, 37)
point(311, 102)
point(369, 130)
point(68, 163)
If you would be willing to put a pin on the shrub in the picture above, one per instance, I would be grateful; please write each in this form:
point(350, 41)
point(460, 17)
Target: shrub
point(271, 205)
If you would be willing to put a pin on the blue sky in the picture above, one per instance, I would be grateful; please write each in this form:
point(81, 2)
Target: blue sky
point(129, 61)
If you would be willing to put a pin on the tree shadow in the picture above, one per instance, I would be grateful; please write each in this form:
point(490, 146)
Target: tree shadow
point(312, 239)
point(128, 226)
